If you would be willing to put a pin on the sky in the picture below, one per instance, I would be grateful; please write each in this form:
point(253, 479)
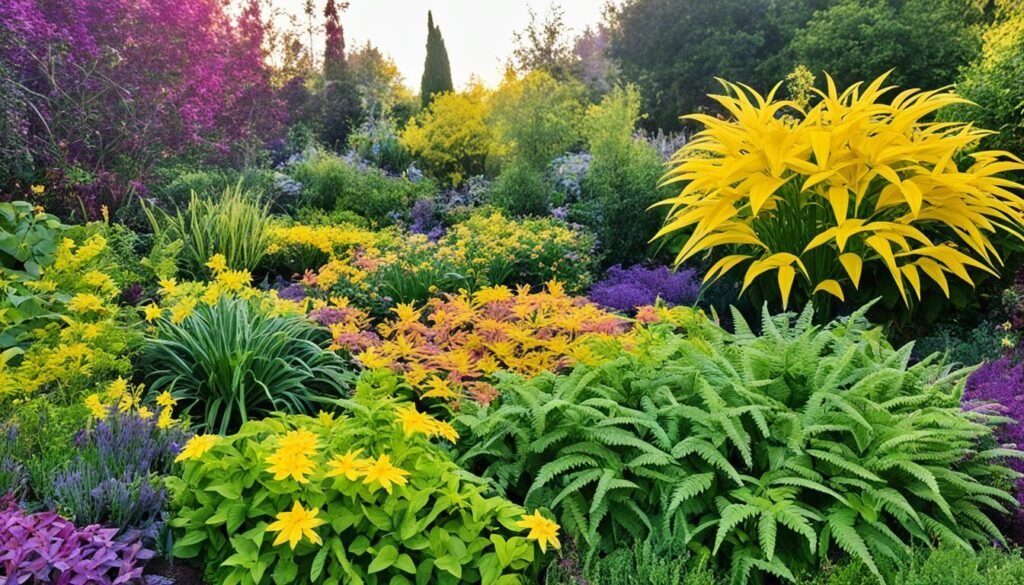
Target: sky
point(477, 33)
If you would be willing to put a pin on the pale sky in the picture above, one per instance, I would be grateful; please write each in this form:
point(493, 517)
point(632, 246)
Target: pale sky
point(477, 33)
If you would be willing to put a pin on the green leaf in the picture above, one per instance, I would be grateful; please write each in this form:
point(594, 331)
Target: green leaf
point(384, 558)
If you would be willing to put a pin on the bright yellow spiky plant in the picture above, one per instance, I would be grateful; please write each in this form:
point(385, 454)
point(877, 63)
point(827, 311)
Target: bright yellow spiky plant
point(852, 180)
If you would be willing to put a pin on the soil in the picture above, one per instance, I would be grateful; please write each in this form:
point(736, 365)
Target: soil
point(180, 572)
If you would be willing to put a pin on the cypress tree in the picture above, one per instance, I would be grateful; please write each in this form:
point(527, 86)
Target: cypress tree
point(339, 99)
point(437, 71)
point(334, 49)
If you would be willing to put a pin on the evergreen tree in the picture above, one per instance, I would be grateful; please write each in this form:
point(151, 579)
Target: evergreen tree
point(437, 71)
point(339, 99)
point(334, 50)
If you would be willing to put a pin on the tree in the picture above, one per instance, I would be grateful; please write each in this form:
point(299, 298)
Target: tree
point(451, 137)
point(924, 42)
point(993, 83)
point(339, 100)
point(334, 46)
point(545, 46)
point(437, 71)
point(673, 49)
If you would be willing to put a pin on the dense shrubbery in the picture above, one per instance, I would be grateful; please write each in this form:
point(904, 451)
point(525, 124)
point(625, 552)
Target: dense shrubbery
point(768, 452)
point(360, 498)
point(333, 184)
point(330, 320)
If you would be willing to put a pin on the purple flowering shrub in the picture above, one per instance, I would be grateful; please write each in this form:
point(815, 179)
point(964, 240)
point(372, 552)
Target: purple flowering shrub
point(625, 289)
point(46, 548)
point(114, 478)
point(998, 386)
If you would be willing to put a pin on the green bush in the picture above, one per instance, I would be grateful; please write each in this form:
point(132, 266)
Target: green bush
point(644, 563)
point(429, 523)
point(622, 180)
point(229, 363)
point(236, 224)
point(769, 453)
point(942, 566)
point(521, 190)
point(211, 182)
point(332, 184)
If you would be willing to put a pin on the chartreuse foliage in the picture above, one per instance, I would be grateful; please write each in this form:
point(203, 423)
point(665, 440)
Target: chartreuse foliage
point(771, 452)
point(361, 498)
point(852, 182)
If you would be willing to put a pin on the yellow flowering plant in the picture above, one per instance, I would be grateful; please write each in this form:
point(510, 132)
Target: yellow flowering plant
point(62, 329)
point(857, 183)
point(449, 348)
point(364, 497)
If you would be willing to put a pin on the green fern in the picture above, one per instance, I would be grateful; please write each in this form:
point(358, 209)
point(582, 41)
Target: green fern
point(768, 453)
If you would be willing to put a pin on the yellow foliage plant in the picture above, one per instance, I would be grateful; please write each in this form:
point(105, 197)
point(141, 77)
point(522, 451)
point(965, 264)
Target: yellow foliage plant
point(850, 181)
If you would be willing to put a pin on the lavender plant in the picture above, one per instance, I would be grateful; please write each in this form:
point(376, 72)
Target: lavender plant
point(625, 289)
point(115, 477)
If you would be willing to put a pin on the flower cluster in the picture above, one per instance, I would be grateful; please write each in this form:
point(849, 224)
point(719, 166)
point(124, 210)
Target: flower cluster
point(86, 344)
point(493, 249)
point(447, 348)
point(303, 247)
point(278, 481)
point(179, 300)
point(121, 397)
point(626, 289)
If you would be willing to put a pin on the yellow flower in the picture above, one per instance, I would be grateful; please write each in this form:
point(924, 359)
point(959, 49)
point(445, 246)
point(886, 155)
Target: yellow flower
point(414, 421)
point(127, 402)
point(196, 446)
point(541, 529)
point(234, 279)
point(152, 312)
point(95, 406)
point(97, 279)
point(166, 400)
point(182, 310)
point(1006, 342)
point(218, 263)
point(287, 463)
point(445, 431)
point(439, 388)
point(382, 472)
point(145, 413)
point(301, 442)
point(348, 465)
point(165, 420)
point(296, 524)
point(38, 189)
point(117, 389)
point(85, 303)
point(168, 285)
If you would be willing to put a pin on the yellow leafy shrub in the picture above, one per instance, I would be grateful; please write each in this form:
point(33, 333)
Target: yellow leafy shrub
point(451, 137)
point(850, 182)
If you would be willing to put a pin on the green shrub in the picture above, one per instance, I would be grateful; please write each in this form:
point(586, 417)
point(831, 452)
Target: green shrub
point(332, 184)
point(229, 363)
point(236, 224)
point(44, 442)
point(942, 566)
point(644, 563)
point(489, 249)
point(430, 523)
point(211, 182)
point(622, 180)
point(769, 453)
point(521, 190)
point(28, 239)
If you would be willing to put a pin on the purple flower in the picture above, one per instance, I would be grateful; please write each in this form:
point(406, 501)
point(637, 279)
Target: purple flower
point(997, 387)
point(293, 292)
point(131, 294)
point(114, 477)
point(625, 289)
